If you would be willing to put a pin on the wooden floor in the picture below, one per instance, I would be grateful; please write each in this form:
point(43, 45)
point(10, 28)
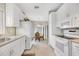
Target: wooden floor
point(40, 49)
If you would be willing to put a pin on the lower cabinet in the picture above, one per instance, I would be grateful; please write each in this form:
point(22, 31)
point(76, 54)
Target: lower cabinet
point(28, 43)
point(52, 41)
point(5, 50)
point(14, 48)
point(22, 45)
point(75, 49)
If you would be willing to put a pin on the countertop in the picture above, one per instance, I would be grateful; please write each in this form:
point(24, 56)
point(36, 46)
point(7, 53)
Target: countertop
point(76, 40)
point(62, 36)
point(12, 38)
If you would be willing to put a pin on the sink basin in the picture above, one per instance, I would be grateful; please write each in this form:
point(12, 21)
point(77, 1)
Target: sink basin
point(7, 39)
point(4, 39)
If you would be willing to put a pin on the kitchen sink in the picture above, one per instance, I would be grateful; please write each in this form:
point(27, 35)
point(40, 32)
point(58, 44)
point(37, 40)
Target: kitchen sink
point(7, 39)
point(4, 39)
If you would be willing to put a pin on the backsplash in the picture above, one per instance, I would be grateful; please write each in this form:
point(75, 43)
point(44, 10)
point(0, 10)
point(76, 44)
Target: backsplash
point(10, 31)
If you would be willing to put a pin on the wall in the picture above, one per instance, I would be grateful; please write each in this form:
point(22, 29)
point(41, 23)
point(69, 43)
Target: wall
point(25, 28)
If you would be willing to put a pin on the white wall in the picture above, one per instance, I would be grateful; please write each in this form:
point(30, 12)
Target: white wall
point(25, 28)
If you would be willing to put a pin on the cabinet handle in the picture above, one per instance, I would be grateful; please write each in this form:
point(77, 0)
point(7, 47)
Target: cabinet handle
point(11, 52)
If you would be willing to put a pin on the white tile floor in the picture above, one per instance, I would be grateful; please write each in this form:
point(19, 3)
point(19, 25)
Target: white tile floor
point(41, 49)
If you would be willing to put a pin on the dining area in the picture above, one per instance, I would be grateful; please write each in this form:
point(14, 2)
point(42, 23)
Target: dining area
point(38, 36)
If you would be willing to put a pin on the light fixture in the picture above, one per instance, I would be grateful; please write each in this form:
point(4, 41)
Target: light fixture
point(36, 7)
point(39, 25)
point(26, 19)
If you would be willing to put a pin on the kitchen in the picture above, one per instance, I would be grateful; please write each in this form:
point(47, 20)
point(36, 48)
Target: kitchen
point(60, 27)
point(65, 31)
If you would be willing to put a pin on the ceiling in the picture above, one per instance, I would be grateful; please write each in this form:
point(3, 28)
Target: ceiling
point(39, 14)
point(42, 23)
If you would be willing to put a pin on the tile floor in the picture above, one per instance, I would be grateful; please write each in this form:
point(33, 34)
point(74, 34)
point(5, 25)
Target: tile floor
point(41, 49)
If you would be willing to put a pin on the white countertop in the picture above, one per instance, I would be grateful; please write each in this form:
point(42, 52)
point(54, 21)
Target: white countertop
point(75, 40)
point(72, 36)
point(12, 38)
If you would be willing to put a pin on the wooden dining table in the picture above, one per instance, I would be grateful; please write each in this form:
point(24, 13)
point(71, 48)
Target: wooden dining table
point(38, 38)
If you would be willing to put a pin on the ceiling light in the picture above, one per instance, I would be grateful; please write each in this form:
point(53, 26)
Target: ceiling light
point(39, 25)
point(36, 7)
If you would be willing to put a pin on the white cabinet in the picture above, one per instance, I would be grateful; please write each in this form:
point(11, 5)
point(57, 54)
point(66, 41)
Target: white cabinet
point(28, 43)
point(14, 48)
point(52, 23)
point(75, 21)
point(12, 15)
point(52, 28)
point(1, 22)
point(75, 49)
point(22, 44)
point(68, 16)
point(52, 41)
point(5, 50)
point(2, 18)
point(17, 47)
point(62, 46)
point(61, 14)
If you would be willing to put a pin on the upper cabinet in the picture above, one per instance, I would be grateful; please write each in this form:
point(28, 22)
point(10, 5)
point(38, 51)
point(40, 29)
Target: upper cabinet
point(68, 16)
point(52, 23)
point(2, 18)
point(13, 15)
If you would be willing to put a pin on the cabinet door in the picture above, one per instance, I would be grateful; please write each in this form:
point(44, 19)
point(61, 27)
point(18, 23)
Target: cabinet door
point(52, 41)
point(1, 22)
point(75, 49)
point(5, 50)
point(22, 44)
point(9, 15)
point(62, 14)
point(15, 48)
point(16, 16)
point(12, 15)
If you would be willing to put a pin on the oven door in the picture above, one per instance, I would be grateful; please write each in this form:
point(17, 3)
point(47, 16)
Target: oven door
point(61, 48)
